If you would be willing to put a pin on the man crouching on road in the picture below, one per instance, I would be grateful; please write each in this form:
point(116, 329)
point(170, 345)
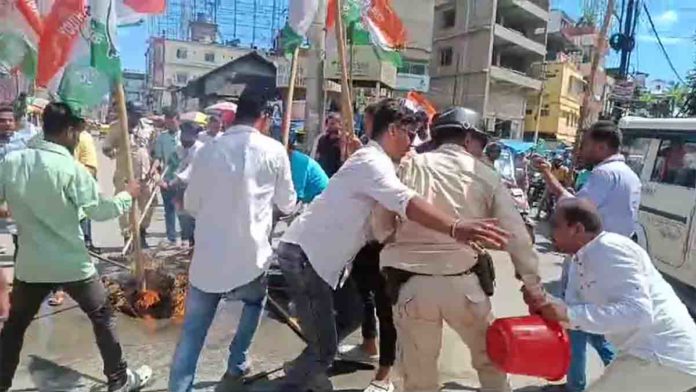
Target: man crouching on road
point(48, 191)
point(432, 274)
point(615, 290)
point(319, 245)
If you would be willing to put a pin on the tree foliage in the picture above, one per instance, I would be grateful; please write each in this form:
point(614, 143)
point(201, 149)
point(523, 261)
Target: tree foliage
point(689, 106)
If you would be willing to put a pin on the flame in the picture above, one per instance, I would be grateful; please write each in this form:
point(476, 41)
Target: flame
point(147, 299)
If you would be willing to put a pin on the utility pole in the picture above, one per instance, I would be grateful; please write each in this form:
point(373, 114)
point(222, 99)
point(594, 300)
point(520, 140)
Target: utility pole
point(627, 43)
point(315, 101)
point(589, 94)
point(540, 102)
point(628, 37)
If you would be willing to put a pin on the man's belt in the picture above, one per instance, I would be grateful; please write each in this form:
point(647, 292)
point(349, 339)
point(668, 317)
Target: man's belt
point(484, 270)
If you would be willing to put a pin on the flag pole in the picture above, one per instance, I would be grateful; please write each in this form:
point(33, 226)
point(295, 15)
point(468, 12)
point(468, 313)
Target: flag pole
point(134, 213)
point(287, 114)
point(346, 100)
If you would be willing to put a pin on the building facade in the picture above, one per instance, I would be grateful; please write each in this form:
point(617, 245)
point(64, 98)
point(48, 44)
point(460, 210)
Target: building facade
point(482, 57)
point(134, 86)
point(171, 64)
point(584, 39)
point(562, 95)
point(418, 18)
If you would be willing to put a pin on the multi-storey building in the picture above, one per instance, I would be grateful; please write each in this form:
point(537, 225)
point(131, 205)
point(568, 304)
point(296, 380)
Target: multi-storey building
point(418, 18)
point(562, 95)
point(134, 86)
point(482, 57)
point(172, 63)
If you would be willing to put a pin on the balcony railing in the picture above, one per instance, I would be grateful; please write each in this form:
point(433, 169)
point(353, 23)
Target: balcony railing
point(510, 76)
point(506, 36)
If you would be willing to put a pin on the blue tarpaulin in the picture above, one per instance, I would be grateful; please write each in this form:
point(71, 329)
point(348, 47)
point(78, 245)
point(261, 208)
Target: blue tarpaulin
point(517, 146)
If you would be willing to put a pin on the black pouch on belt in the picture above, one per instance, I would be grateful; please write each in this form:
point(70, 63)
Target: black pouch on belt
point(484, 270)
point(395, 278)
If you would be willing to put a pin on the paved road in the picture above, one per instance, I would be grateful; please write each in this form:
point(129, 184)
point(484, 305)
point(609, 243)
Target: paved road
point(59, 353)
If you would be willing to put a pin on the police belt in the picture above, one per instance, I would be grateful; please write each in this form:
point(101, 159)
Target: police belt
point(395, 278)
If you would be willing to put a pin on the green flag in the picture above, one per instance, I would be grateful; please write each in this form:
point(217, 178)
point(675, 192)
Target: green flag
point(16, 53)
point(83, 86)
point(103, 24)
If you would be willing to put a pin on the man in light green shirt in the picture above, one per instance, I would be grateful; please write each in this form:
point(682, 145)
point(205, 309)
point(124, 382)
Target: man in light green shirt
point(48, 193)
point(165, 149)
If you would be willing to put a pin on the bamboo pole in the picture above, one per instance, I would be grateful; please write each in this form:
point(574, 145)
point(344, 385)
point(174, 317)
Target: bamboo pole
point(134, 213)
point(346, 99)
point(287, 114)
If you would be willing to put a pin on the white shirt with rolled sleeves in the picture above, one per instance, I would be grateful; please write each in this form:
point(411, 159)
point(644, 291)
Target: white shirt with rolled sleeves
point(615, 290)
point(235, 181)
point(336, 225)
point(615, 190)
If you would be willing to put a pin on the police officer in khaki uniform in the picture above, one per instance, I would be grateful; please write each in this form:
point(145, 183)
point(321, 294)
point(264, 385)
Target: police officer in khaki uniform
point(141, 135)
point(436, 274)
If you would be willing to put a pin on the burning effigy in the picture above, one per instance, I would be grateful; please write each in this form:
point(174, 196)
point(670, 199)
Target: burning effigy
point(164, 293)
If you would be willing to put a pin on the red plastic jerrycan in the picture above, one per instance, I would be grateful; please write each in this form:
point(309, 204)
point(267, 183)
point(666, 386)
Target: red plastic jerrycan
point(529, 346)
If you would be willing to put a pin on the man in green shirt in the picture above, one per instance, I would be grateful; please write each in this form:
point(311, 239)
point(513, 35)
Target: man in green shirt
point(165, 148)
point(48, 192)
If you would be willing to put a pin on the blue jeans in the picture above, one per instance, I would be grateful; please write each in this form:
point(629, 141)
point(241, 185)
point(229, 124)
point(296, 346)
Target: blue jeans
point(200, 311)
point(577, 380)
point(168, 197)
point(315, 303)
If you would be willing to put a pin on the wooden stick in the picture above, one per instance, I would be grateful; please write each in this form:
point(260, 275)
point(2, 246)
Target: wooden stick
point(287, 115)
point(346, 99)
point(147, 207)
point(108, 260)
point(134, 213)
point(156, 189)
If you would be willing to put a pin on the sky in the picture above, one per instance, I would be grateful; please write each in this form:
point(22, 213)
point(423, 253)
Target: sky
point(675, 21)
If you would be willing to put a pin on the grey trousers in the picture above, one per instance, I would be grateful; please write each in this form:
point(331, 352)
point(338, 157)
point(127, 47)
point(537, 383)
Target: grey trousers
point(325, 316)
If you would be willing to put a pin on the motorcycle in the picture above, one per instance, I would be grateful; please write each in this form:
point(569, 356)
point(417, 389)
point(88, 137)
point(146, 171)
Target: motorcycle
point(535, 193)
point(522, 205)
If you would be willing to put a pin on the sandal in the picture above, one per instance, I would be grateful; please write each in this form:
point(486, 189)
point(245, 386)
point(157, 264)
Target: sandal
point(57, 299)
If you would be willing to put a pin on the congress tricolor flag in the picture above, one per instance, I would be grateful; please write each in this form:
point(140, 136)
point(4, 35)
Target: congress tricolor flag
point(300, 17)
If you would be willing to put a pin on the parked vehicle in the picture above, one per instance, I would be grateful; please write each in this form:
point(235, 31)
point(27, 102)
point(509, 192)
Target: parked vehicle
point(505, 166)
point(663, 153)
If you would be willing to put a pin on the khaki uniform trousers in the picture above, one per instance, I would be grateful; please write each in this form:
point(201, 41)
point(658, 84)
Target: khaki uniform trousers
point(628, 373)
point(424, 303)
point(145, 193)
point(141, 166)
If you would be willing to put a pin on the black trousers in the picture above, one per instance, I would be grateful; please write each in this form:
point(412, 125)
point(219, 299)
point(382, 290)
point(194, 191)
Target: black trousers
point(86, 226)
point(90, 295)
point(372, 287)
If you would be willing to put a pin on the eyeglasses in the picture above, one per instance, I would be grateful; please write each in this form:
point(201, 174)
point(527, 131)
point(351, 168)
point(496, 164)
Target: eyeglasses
point(409, 128)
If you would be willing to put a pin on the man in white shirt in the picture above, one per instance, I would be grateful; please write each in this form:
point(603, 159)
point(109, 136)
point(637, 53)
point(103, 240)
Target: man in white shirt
point(180, 167)
point(319, 245)
point(234, 183)
point(214, 129)
point(615, 190)
point(615, 290)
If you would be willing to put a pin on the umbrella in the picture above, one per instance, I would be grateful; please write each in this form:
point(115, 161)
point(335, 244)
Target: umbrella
point(196, 117)
point(223, 106)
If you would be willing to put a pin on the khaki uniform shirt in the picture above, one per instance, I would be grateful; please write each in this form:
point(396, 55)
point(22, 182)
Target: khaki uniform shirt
point(141, 138)
point(460, 185)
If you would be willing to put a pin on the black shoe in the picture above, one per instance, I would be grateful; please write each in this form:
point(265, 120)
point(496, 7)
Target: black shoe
point(232, 383)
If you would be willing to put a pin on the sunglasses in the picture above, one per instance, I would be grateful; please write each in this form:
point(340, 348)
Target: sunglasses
point(409, 128)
